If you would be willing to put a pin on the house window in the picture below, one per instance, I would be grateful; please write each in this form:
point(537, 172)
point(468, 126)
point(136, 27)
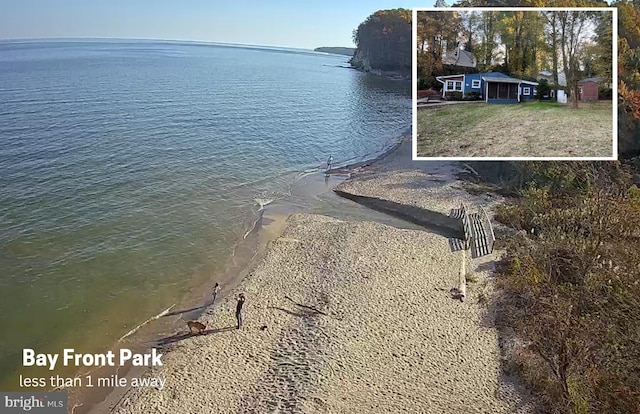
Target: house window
point(535, 91)
point(526, 91)
point(454, 85)
point(475, 83)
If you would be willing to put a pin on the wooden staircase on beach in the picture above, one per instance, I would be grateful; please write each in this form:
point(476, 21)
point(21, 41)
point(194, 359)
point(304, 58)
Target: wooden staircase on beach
point(478, 232)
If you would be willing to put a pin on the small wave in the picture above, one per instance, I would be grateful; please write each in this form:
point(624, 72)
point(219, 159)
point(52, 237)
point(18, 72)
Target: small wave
point(153, 318)
point(262, 202)
point(254, 224)
point(308, 172)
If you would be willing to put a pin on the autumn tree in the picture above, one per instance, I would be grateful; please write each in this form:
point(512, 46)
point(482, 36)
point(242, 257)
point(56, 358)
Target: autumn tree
point(486, 31)
point(552, 43)
point(603, 47)
point(522, 34)
point(573, 28)
point(570, 283)
point(629, 76)
point(435, 32)
point(383, 42)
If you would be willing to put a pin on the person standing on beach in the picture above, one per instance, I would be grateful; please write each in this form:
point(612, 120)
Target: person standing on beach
point(216, 289)
point(329, 162)
point(239, 309)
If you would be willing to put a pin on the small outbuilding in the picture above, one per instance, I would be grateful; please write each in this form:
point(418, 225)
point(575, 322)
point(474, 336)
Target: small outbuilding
point(589, 89)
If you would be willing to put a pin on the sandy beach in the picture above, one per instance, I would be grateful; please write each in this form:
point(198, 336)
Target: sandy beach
point(348, 317)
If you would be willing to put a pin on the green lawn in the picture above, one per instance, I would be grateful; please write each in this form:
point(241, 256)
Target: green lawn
point(534, 129)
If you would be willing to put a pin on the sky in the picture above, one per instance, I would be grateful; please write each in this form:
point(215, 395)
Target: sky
point(290, 23)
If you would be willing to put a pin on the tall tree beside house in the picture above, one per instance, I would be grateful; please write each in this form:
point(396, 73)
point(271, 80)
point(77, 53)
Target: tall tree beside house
point(522, 33)
point(384, 42)
point(435, 33)
point(469, 24)
point(573, 32)
point(552, 43)
point(603, 48)
point(486, 31)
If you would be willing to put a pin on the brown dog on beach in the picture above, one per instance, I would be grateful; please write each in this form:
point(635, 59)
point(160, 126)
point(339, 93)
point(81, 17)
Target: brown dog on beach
point(198, 326)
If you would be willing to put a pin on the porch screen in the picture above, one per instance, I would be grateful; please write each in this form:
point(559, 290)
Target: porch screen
point(502, 90)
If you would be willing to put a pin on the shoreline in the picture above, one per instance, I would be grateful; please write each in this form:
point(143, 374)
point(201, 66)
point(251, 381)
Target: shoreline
point(263, 226)
point(321, 306)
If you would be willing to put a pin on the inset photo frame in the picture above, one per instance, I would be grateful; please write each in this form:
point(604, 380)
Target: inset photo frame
point(515, 84)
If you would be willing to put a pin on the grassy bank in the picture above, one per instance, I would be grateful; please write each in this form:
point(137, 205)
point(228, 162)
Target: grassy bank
point(535, 129)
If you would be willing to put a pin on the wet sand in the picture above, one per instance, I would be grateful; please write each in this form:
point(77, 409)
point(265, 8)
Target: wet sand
point(347, 317)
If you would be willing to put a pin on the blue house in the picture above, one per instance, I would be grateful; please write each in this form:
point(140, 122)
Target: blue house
point(493, 87)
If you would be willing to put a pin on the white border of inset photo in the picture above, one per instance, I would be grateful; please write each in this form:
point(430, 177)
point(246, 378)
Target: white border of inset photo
point(614, 95)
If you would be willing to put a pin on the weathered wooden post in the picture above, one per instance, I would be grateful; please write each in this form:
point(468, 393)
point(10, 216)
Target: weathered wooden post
point(462, 279)
point(468, 239)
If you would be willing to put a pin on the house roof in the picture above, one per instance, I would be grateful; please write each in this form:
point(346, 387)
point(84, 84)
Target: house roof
point(562, 78)
point(489, 77)
point(438, 78)
point(459, 57)
point(500, 79)
point(494, 75)
point(596, 80)
point(504, 79)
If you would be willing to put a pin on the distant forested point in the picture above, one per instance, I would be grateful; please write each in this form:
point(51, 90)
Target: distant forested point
point(348, 51)
point(383, 43)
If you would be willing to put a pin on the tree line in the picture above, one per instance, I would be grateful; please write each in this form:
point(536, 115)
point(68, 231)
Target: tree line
point(628, 58)
point(519, 43)
point(383, 42)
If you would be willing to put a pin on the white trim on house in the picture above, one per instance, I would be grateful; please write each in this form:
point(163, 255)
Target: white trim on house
point(519, 92)
point(444, 80)
point(526, 91)
point(476, 83)
point(456, 85)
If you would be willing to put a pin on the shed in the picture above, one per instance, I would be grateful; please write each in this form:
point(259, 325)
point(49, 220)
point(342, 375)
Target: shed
point(589, 89)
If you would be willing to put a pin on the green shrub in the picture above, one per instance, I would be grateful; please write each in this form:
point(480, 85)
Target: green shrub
point(472, 96)
point(424, 83)
point(453, 96)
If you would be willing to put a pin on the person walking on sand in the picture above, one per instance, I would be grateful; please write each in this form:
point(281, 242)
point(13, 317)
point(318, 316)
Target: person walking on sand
point(239, 309)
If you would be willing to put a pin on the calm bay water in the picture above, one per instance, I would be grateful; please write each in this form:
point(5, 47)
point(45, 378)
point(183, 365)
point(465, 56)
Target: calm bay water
point(127, 170)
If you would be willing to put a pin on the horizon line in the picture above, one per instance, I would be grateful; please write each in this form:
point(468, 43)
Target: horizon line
point(218, 42)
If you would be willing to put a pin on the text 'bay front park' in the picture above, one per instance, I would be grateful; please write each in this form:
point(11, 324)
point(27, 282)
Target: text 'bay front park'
point(496, 83)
